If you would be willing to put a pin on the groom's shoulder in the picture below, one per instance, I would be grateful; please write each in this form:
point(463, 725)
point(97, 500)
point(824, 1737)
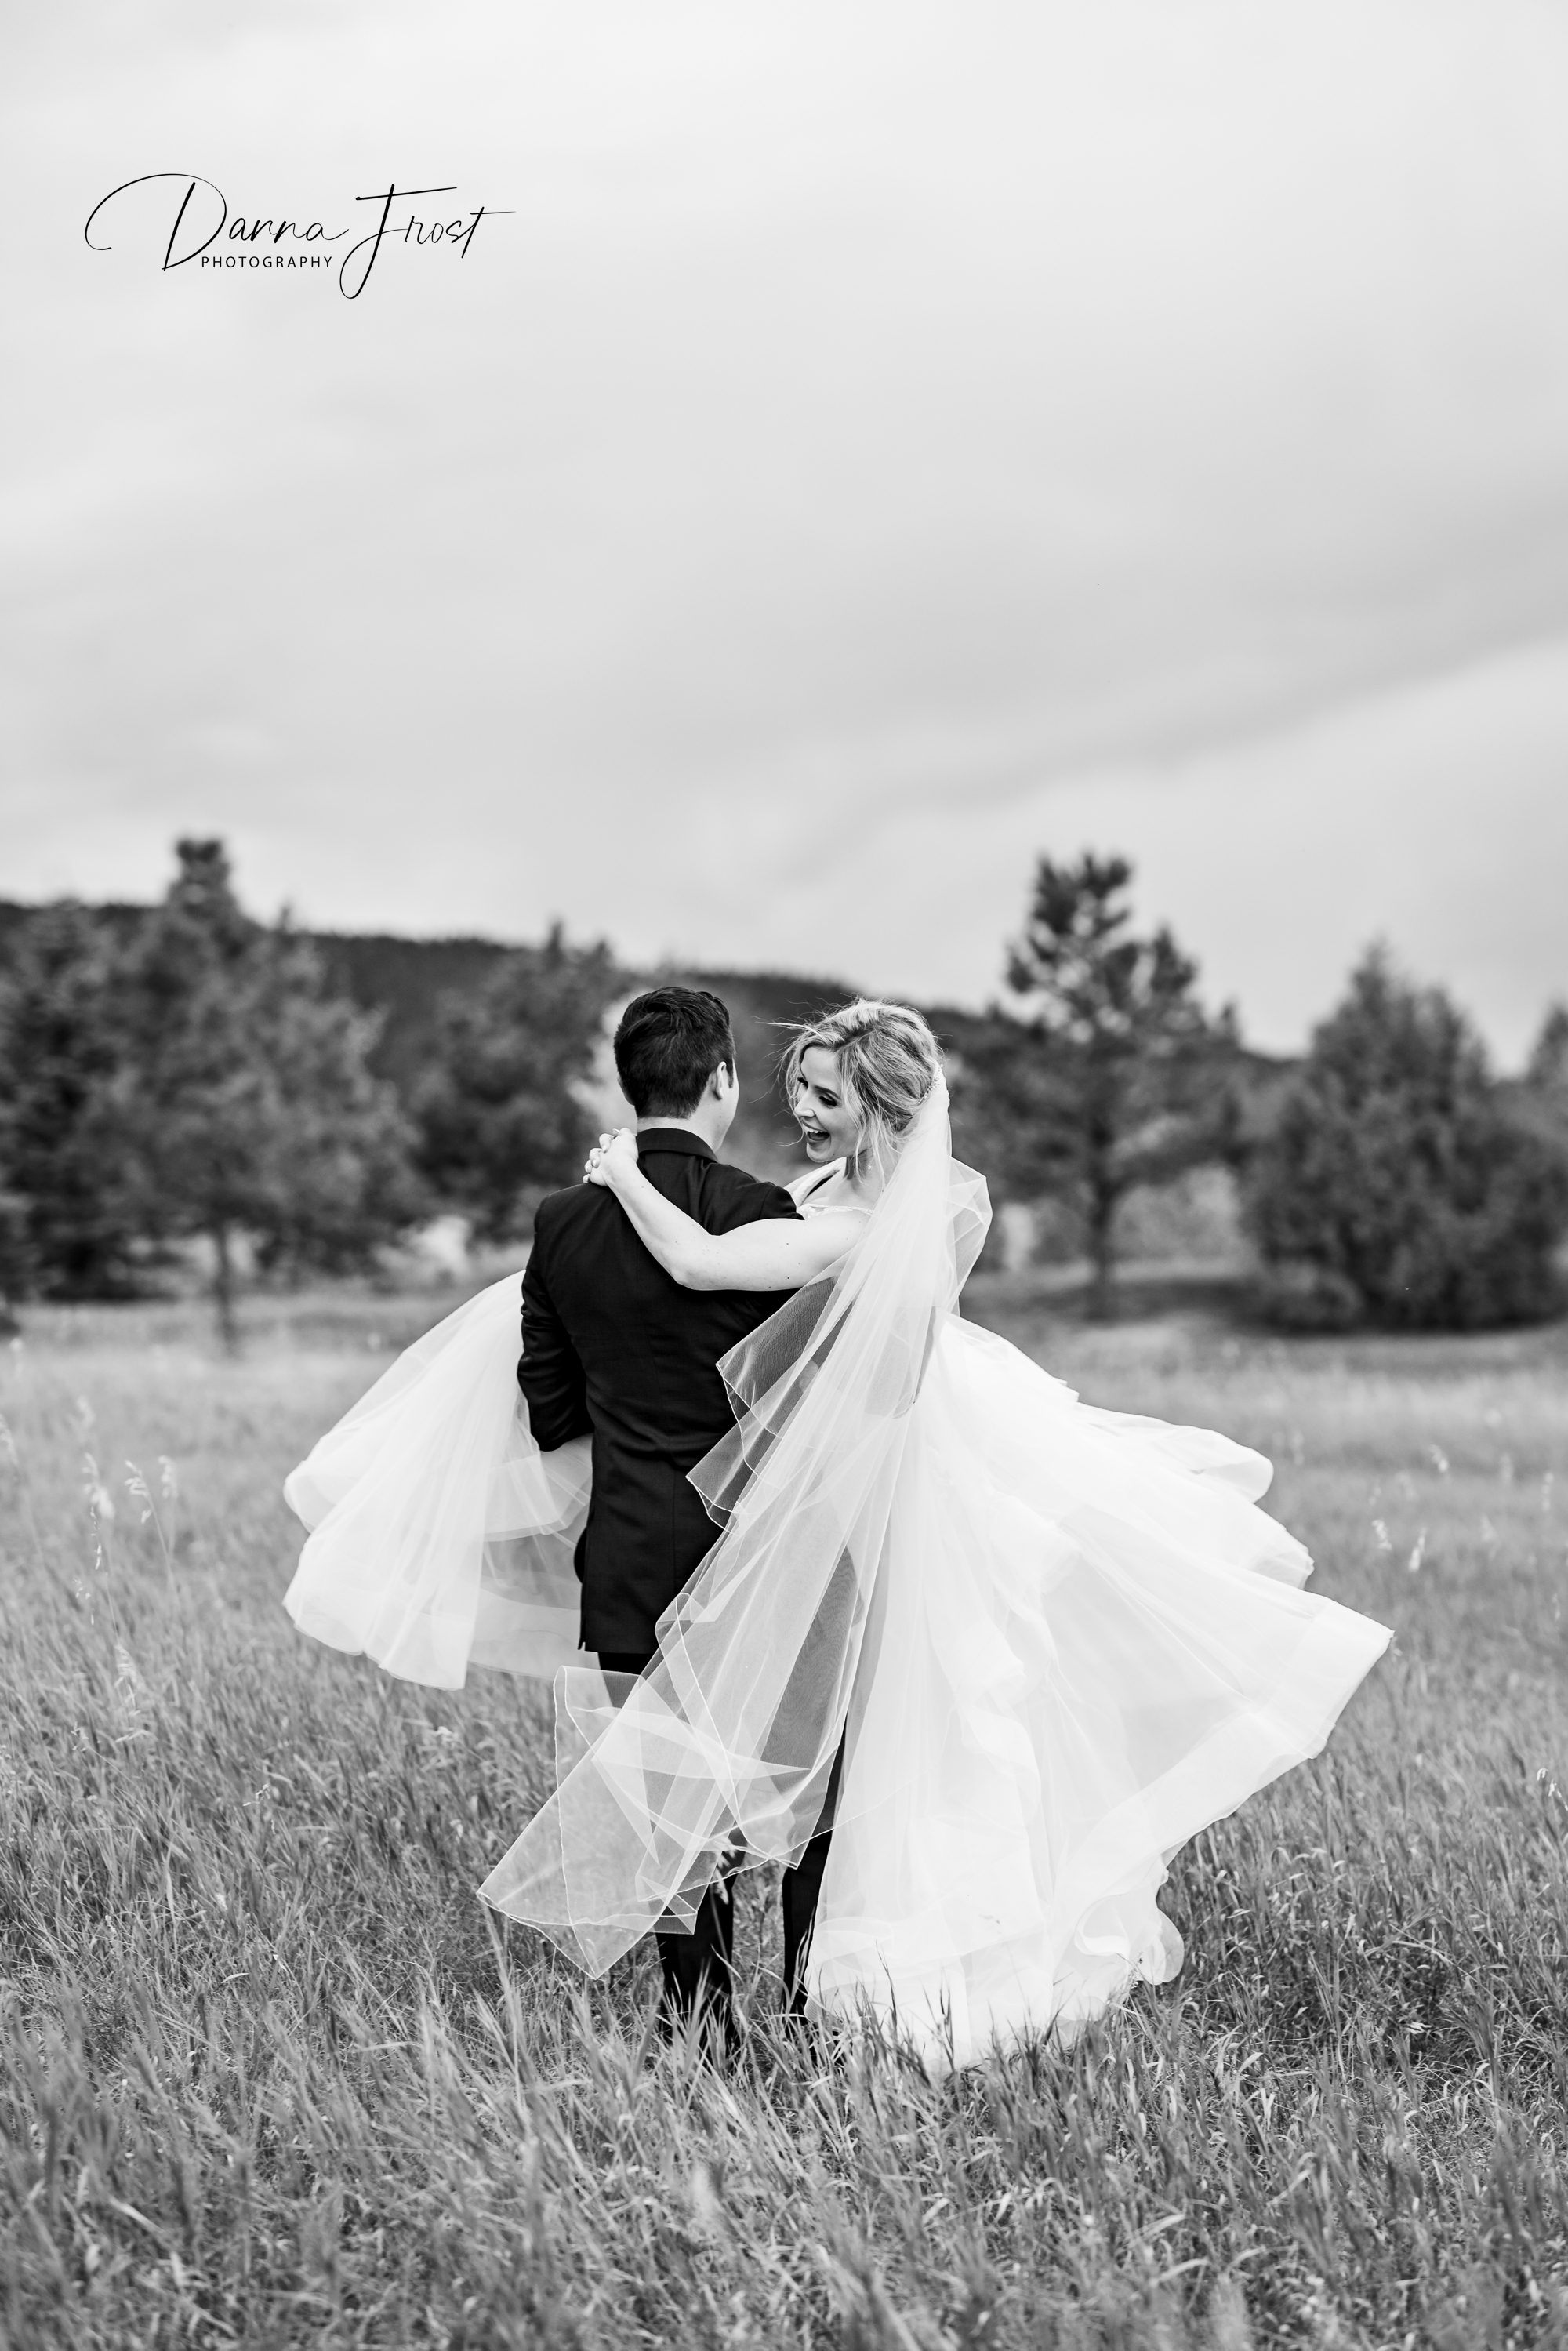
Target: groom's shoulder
point(744, 1199)
point(559, 1211)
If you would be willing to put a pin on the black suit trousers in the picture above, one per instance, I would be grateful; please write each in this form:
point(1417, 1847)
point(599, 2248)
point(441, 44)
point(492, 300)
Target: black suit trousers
point(696, 1968)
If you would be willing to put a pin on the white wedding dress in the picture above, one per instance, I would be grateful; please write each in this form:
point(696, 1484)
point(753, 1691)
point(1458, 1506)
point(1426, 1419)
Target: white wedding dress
point(1050, 1700)
point(1050, 1642)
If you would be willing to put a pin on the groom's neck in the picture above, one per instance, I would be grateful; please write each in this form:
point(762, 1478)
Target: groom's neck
point(712, 1129)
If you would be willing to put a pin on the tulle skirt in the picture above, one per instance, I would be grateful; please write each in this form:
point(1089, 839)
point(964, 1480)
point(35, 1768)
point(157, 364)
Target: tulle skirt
point(1077, 1642)
point(1086, 1643)
point(440, 1536)
point(1053, 1643)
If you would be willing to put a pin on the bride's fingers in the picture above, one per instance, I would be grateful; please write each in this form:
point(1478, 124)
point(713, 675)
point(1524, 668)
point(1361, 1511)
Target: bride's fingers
point(612, 1151)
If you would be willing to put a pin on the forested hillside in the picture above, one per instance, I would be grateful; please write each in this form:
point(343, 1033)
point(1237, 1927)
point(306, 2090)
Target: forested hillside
point(404, 980)
point(184, 1073)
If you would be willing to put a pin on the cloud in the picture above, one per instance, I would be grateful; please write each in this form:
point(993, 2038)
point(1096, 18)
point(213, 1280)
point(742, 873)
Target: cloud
point(876, 443)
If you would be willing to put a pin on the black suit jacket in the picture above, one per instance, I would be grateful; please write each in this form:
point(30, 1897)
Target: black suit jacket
point(614, 1348)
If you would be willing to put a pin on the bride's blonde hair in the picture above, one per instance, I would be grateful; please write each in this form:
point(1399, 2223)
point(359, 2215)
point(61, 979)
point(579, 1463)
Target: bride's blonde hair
point(887, 1060)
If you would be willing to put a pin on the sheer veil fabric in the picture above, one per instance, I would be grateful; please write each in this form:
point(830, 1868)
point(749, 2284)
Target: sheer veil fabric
point(1052, 1642)
point(724, 1745)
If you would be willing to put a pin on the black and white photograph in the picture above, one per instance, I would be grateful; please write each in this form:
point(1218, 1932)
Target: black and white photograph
point(784, 1176)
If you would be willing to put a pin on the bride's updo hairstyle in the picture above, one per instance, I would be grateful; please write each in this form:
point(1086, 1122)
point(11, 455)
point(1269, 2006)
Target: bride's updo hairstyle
point(887, 1062)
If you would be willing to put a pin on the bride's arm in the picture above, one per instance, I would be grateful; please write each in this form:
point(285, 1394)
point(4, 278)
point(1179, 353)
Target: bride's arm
point(771, 1254)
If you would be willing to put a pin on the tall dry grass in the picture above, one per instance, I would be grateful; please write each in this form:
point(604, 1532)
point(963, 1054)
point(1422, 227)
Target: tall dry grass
point(266, 2076)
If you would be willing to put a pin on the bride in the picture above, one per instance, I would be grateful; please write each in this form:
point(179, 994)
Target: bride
point(989, 1655)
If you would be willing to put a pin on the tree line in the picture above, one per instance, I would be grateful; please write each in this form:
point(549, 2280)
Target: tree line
point(186, 1070)
point(195, 1075)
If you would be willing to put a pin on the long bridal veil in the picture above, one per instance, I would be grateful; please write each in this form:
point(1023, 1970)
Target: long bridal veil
point(1049, 1644)
point(725, 1747)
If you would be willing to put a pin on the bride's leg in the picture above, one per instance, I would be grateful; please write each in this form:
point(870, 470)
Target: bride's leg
point(802, 1887)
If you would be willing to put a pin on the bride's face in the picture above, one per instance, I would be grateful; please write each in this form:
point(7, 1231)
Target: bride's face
point(829, 1129)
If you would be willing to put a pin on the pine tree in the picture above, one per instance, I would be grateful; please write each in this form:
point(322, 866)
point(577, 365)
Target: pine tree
point(1547, 1069)
point(68, 1211)
point(499, 1115)
point(1400, 1187)
point(1110, 1074)
point(254, 1109)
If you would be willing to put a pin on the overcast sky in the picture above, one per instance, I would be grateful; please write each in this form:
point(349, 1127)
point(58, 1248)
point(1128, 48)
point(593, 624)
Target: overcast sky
point(880, 444)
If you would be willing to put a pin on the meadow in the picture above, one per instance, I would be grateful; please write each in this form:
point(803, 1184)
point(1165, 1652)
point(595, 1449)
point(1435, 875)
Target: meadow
point(269, 2076)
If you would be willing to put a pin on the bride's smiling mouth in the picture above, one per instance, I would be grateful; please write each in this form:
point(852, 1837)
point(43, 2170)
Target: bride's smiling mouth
point(828, 1127)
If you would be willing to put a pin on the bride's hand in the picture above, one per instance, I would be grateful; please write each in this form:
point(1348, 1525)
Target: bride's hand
point(611, 1155)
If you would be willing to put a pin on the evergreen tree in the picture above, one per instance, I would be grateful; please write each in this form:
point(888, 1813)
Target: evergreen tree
point(1546, 1072)
point(1110, 1074)
point(68, 1208)
point(499, 1119)
point(1399, 1186)
point(253, 1110)
point(352, 1184)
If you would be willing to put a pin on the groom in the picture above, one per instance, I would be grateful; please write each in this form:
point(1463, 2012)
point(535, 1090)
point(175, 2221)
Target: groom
point(614, 1348)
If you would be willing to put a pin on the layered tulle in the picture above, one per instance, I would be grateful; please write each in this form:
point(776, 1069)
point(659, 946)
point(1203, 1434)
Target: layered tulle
point(725, 1746)
point(442, 1537)
point(1050, 1642)
point(1087, 1645)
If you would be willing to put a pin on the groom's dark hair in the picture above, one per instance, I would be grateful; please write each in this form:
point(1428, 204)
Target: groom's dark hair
point(668, 1045)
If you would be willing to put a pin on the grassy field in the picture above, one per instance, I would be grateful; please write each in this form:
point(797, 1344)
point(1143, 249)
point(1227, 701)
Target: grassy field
point(267, 2076)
